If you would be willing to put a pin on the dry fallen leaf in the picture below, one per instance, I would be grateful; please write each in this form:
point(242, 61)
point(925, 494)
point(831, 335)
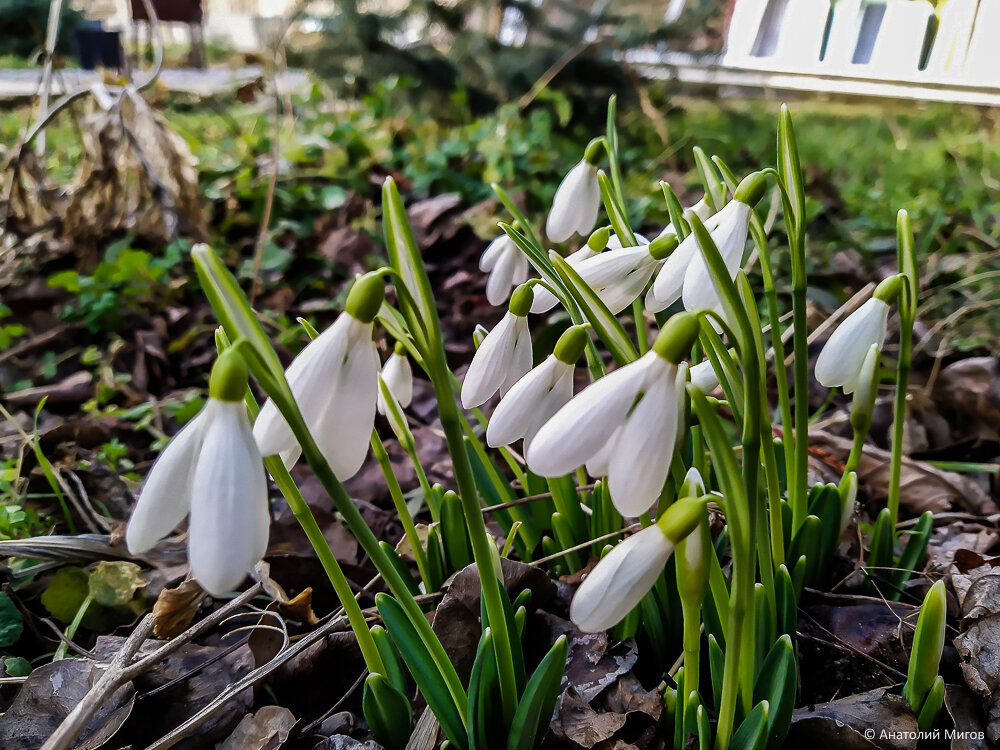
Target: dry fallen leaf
point(923, 487)
point(268, 729)
point(175, 608)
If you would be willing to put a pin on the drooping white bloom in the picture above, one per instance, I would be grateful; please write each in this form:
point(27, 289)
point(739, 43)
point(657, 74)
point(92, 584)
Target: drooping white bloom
point(536, 397)
point(507, 266)
point(840, 362)
point(624, 575)
point(867, 383)
point(575, 204)
point(620, 580)
point(335, 383)
point(504, 357)
point(531, 402)
point(624, 425)
point(398, 376)
point(685, 272)
point(213, 470)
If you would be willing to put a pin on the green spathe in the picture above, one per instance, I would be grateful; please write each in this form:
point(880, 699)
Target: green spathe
point(677, 336)
point(366, 297)
point(229, 377)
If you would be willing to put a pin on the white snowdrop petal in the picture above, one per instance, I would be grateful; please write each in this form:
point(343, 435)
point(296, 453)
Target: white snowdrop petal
point(620, 580)
point(669, 280)
point(584, 425)
point(166, 495)
point(597, 465)
point(486, 372)
point(731, 238)
point(493, 252)
point(344, 430)
point(590, 203)
point(310, 377)
point(398, 375)
point(521, 357)
point(509, 265)
point(229, 519)
point(703, 377)
point(513, 415)
point(643, 450)
point(557, 397)
point(844, 353)
point(573, 203)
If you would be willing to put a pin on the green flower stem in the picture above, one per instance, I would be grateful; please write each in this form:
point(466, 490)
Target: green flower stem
point(303, 514)
point(857, 447)
point(906, 261)
point(419, 555)
point(735, 669)
point(71, 629)
point(640, 326)
point(231, 307)
point(300, 509)
point(405, 256)
point(772, 482)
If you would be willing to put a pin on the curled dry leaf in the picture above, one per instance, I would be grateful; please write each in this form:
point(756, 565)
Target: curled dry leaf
point(268, 729)
point(843, 724)
point(923, 487)
point(47, 697)
point(979, 642)
point(175, 608)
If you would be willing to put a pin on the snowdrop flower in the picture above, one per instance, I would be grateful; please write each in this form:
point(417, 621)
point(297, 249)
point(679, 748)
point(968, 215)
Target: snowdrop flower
point(685, 273)
point(507, 266)
point(842, 358)
point(625, 425)
point(544, 299)
point(335, 383)
point(626, 574)
point(504, 356)
point(212, 470)
point(398, 376)
point(577, 199)
point(537, 396)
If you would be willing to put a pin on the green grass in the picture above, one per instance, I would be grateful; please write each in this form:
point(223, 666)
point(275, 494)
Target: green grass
point(863, 162)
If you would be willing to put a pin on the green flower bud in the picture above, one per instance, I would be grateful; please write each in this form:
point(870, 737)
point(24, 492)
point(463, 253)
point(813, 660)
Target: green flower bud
point(366, 297)
point(661, 247)
point(228, 381)
point(890, 289)
point(398, 349)
point(928, 644)
point(599, 239)
point(677, 336)
point(521, 299)
point(571, 344)
point(751, 188)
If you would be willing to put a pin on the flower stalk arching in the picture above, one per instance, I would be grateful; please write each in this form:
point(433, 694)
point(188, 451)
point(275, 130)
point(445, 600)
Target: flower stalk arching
point(290, 491)
point(236, 316)
point(404, 255)
point(907, 307)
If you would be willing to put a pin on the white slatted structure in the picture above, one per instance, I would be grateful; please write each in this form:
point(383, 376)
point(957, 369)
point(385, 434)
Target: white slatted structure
point(948, 50)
